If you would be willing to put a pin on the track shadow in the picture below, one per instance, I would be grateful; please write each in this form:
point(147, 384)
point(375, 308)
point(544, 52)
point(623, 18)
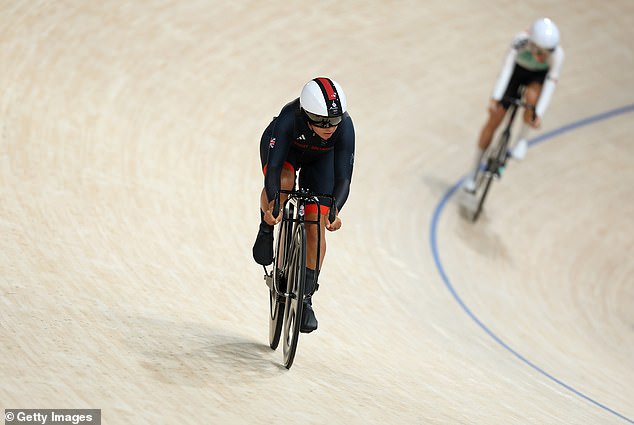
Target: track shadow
point(437, 185)
point(479, 236)
point(193, 354)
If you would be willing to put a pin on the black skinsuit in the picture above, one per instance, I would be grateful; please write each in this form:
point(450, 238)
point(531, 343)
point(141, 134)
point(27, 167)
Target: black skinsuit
point(325, 165)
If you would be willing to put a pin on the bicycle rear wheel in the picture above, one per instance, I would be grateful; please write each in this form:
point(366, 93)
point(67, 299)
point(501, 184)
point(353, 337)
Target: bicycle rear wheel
point(294, 300)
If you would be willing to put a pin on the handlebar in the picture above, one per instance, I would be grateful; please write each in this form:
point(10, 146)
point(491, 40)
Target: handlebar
point(306, 195)
point(520, 103)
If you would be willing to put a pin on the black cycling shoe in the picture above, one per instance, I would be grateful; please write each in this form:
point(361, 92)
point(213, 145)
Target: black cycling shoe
point(263, 246)
point(309, 321)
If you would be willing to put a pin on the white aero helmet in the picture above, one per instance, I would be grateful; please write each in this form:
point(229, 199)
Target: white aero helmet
point(545, 34)
point(323, 101)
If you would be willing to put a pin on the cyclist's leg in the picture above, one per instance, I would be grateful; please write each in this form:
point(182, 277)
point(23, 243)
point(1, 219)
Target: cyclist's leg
point(318, 176)
point(496, 115)
point(534, 82)
point(533, 87)
point(311, 236)
point(309, 321)
point(519, 145)
point(287, 178)
point(287, 182)
point(531, 96)
point(497, 111)
point(263, 246)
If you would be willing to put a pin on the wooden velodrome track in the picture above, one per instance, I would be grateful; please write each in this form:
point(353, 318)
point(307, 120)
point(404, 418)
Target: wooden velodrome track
point(129, 184)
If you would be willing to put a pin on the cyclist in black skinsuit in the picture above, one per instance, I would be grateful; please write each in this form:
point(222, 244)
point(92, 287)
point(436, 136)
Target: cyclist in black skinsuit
point(314, 135)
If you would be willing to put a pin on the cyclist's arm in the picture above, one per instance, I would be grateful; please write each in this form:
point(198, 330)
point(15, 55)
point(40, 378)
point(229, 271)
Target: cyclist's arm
point(550, 82)
point(279, 146)
point(507, 68)
point(344, 163)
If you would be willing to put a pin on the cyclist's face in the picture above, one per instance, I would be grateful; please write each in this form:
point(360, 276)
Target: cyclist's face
point(540, 54)
point(324, 133)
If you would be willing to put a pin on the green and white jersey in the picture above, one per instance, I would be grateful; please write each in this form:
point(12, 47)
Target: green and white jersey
point(520, 54)
point(525, 57)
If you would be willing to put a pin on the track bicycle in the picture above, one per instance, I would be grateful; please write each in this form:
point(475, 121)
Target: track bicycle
point(287, 278)
point(497, 154)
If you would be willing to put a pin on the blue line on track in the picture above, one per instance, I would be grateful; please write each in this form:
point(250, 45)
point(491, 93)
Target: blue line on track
point(434, 247)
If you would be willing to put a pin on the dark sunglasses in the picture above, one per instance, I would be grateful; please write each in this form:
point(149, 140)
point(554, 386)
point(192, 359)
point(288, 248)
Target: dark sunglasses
point(321, 121)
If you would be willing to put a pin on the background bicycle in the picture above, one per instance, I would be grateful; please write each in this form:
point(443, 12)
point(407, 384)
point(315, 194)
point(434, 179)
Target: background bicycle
point(497, 155)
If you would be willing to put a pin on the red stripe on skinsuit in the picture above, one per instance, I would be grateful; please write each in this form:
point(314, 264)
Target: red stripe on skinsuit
point(330, 91)
point(312, 209)
point(286, 165)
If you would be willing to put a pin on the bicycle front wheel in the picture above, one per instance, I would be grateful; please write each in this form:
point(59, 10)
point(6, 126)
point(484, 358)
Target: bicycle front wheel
point(295, 297)
point(487, 179)
point(278, 287)
point(276, 318)
point(494, 167)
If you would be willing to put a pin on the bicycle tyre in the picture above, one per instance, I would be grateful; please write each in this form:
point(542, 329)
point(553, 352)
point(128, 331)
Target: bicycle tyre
point(496, 160)
point(276, 318)
point(295, 298)
point(276, 301)
point(488, 177)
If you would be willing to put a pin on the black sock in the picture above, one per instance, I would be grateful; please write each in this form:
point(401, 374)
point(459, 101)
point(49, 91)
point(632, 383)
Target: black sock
point(311, 281)
point(263, 224)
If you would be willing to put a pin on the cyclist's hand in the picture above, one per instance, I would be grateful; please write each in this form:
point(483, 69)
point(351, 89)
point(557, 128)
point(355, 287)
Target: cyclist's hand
point(335, 225)
point(536, 123)
point(268, 216)
point(494, 106)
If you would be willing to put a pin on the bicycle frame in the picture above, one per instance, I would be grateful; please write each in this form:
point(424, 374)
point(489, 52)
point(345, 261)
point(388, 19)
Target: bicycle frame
point(496, 159)
point(286, 281)
point(294, 207)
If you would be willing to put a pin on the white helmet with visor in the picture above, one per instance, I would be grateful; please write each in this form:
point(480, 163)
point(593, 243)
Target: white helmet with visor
point(544, 34)
point(323, 102)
